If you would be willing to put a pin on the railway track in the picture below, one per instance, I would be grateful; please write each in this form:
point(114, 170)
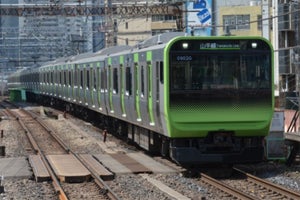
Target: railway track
point(6, 109)
point(262, 189)
point(249, 187)
point(38, 133)
point(223, 189)
point(29, 126)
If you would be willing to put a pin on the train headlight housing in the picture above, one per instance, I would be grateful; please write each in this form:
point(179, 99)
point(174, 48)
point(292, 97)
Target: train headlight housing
point(254, 45)
point(185, 45)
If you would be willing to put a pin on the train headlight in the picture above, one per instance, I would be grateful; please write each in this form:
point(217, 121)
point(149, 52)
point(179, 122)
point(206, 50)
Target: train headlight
point(254, 45)
point(185, 45)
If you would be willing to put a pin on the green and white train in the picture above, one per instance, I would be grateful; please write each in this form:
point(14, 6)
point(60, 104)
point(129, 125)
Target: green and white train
point(196, 99)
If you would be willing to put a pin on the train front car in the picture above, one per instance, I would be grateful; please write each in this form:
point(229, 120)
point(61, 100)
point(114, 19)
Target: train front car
point(219, 98)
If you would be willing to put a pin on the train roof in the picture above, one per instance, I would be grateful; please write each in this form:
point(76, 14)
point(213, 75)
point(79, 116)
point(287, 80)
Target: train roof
point(156, 41)
point(159, 39)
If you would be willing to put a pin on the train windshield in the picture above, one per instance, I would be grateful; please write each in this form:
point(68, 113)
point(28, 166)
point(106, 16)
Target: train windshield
point(221, 72)
point(227, 72)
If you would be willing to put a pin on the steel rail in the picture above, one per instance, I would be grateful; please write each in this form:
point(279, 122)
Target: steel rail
point(106, 189)
point(272, 186)
point(61, 194)
point(226, 188)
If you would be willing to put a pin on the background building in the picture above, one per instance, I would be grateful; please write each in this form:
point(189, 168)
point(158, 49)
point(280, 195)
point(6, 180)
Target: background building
point(32, 38)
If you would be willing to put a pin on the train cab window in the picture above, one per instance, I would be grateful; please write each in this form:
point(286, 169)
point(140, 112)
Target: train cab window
point(128, 81)
point(115, 81)
point(142, 82)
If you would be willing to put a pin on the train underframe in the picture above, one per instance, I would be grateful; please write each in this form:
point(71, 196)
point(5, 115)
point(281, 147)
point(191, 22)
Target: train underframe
point(184, 151)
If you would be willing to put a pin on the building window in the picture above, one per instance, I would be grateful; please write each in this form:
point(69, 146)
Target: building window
point(259, 22)
point(236, 22)
point(156, 18)
point(126, 25)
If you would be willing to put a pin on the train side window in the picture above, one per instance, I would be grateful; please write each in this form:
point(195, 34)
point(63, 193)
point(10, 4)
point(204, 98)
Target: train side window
point(109, 86)
point(87, 78)
point(52, 77)
point(48, 78)
point(70, 78)
point(95, 77)
point(128, 81)
point(81, 78)
point(75, 77)
point(60, 78)
point(56, 77)
point(115, 80)
point(142, 82)
point(161, 70)
point(149, 77)
point(121, 79)
point(98, 77)
point(102, 85)
point(65, 78)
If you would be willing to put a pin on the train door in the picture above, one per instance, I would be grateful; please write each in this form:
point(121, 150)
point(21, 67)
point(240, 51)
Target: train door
point(70, 78)
point(149, 91)
point(60, 89)
point(88, 84)
point(75, 84)
point(158, 82)
point(103, 89)
point(98, 87)
point(117, 63)
point(81, 85)
point(136, 92)
point(91, 87)
point(129, 98)
point(109, 102)
point(65, 86)
point(45, 81)
point(122, 89)
point(95, 86)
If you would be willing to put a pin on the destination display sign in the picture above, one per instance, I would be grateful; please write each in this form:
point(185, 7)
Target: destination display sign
point(217, 45)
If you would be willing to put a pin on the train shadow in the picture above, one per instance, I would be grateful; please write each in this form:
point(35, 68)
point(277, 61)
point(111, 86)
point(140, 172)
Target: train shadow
point(212, 170)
